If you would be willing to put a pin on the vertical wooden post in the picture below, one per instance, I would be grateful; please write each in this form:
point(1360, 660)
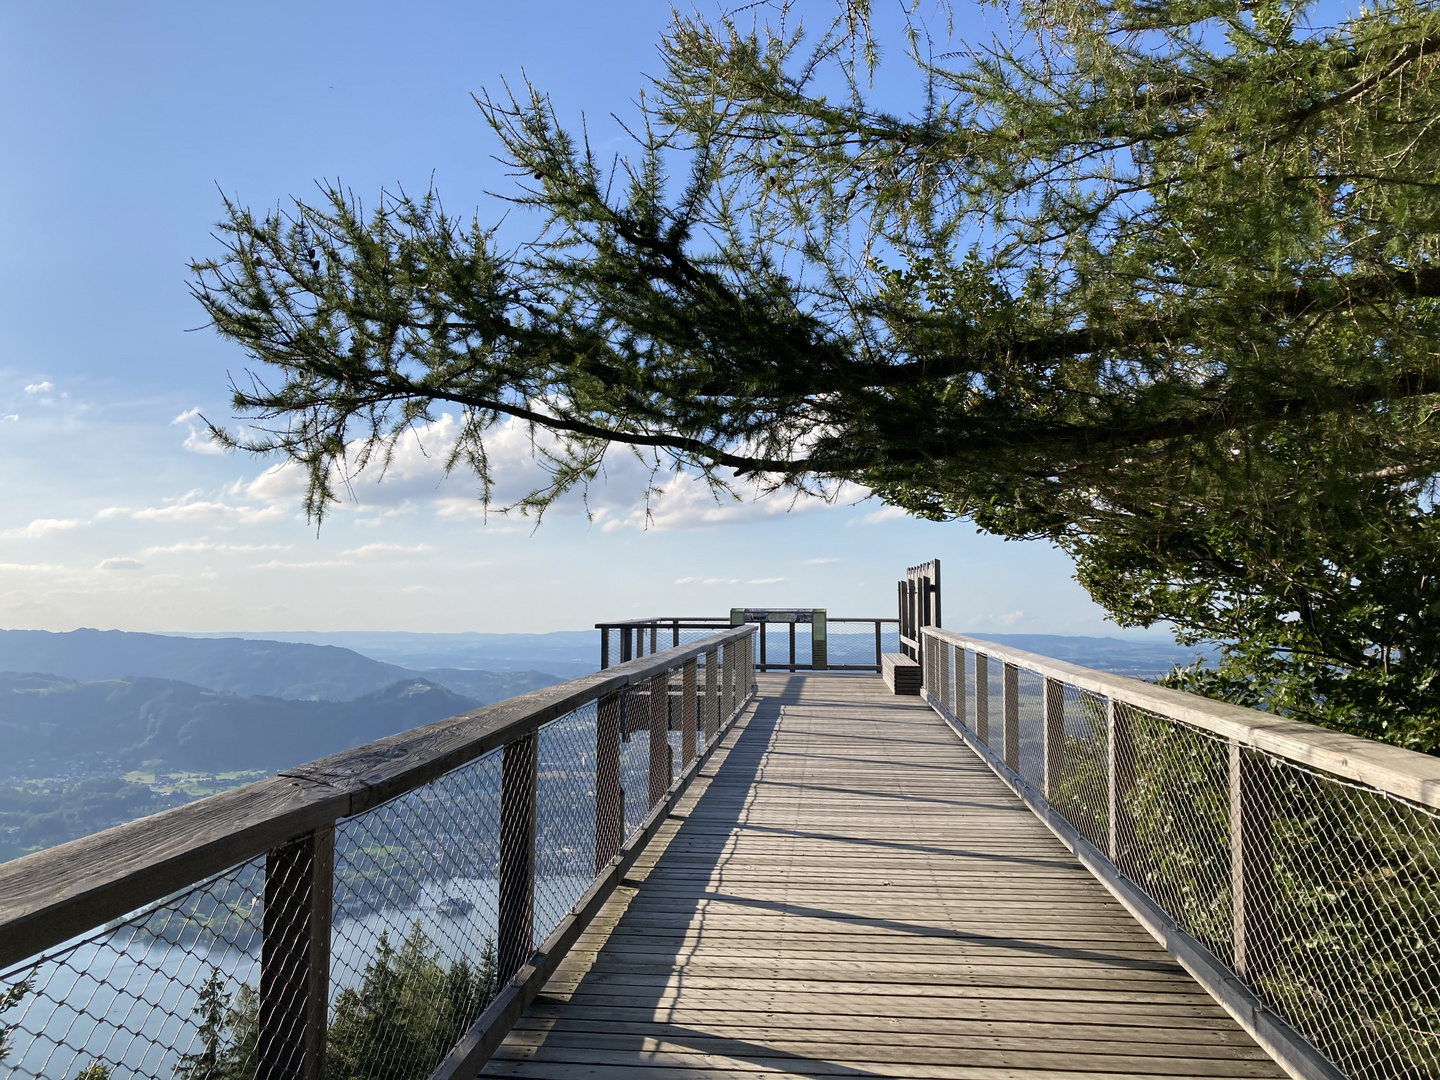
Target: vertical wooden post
point(763, 659)
point(604, 649)
point(1054, 734)
point(1010, 703)
point(712, 694)
point(687, 713)
point(982, 698)
point(1121, 769)
point(659, 737)
point(654, 638)
point(515, 925)
point(792, 647)
point(675, 634)
point(609, 792)
point(1252, 876)
point(878, 645)
point(295, 958)
point(625, 647)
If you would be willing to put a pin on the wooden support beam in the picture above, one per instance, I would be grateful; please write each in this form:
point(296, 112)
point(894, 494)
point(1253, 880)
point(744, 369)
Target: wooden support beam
point(604, 649)
point(659, 737)
point(1252, 874)
point(687, 713)
point(1054, 733)
point(879, 650)
point(1010, 703)
point(609, 791)
point(515, 925)
point(295, 958)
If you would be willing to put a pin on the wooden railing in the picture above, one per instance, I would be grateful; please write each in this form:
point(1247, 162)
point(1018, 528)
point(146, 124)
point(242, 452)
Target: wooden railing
point(1293, 870)
point(632, 636)
point(49, 898)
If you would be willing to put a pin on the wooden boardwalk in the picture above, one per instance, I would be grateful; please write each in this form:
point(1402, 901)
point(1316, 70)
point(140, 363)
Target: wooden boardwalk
point(848, 891)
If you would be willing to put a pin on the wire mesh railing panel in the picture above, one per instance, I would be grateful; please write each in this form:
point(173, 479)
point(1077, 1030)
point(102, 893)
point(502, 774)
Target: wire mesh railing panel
point(413, 959)
point(565, 815)
point(1030, 705)
point(158, 993)
point(965, 661)
point(1174, 792)
point(854, 643)
point(1342, 927)
point(1080, 790)
point(635, 756)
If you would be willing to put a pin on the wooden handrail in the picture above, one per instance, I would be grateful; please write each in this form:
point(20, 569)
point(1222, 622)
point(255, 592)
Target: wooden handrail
point(50, 896)
point(1407, 774)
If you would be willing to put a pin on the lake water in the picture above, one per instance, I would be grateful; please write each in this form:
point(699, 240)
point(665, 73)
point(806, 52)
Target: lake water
point(126, 998)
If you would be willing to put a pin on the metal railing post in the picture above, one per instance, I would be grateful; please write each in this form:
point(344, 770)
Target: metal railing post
point(982, 698)
point(1054, 734)
point(687, 713)
point(515, 925)
point(1010, 703)
point(609, 791)
point(295, 958)
point(1252, 879)
point(659, 737)
point(712, 694)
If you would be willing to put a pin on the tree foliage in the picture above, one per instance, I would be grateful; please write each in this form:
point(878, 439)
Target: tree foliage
point(410, 1009)
point(1155, 281)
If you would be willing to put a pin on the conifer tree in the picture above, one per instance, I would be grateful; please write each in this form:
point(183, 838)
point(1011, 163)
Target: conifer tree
point(1156, 282)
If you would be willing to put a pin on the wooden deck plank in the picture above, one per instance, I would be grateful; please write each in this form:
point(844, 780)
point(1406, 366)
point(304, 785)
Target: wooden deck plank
point(850, 892)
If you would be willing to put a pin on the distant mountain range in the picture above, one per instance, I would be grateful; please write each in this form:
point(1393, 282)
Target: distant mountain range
point(50, 725)
point(244, 666)
point(1137, 658)
point(567, 653)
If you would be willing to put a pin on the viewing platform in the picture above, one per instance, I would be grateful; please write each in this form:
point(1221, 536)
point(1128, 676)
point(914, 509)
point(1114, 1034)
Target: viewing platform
point(737, 851)
point(847, 890)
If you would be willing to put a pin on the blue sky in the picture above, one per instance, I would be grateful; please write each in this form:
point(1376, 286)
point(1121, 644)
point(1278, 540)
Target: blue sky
point(122, 125)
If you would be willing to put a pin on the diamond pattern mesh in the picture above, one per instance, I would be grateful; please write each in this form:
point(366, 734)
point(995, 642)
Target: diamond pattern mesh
point(427, 903)
point(1336, 925)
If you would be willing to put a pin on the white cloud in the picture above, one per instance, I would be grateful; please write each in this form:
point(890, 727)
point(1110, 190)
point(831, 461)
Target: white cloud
point(728, 581)
point(877, 517)
point(121, 564)
point(9, 418)
point(186, 546)
point(197, 438)
point(385, 549)
point(40, 387)
point(818, 562)
point(277, 564)
point(44, 527)
point(1011, 619)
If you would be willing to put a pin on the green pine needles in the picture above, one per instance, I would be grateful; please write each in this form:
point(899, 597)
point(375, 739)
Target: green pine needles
point(1156, 282)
